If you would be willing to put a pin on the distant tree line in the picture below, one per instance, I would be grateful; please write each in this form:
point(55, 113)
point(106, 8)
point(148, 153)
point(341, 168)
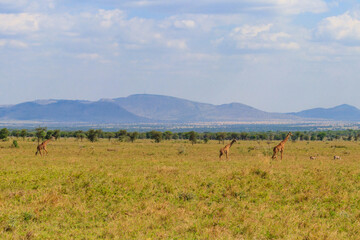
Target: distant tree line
point(41, 133)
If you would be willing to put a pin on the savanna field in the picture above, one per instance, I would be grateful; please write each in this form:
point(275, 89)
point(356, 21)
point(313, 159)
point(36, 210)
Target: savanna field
point(176, 190)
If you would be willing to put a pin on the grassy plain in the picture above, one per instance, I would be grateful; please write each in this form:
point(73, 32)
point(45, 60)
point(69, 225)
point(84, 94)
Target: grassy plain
point(175, 190)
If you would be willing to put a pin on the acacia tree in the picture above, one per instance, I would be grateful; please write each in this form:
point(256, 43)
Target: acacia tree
point(234, 135)
point(207, 136)
point(23, 134)
point(167, 135)
point(15, 133)
point(121, 134)
point(4, 133)
point(100, 133)
point(192, 137)
point(49, 134)
point(156, 135)
point(40, 133)
point(357, 136)
point(56, 134)
point(80, 135)
point(92, 135)
point(133, 136)
point(221, 136)
point(321, 136)
point(109, 135)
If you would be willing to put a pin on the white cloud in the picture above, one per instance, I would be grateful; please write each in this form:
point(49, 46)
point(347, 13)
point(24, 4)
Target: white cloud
point(134, 33)
point(92, 57)
point(103, 26)
point(17, 44)
point(19, 23)
point(12, 43)
point(201, 57)
point(247, 31)
point(298, 6)
point(261, 37)
point(110, 17)
point(205, 23)
point(281, 6)
point(13, 2)
point(343, 27)
point(179, 44)
point(184, 24)
point(28, 6)
point(276, 36)
point(288, 46)
point(89, 56)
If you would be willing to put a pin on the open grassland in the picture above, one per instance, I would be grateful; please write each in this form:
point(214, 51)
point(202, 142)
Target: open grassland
point(175, 190)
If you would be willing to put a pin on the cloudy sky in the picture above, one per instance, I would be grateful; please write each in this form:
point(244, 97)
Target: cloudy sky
point(275, 55)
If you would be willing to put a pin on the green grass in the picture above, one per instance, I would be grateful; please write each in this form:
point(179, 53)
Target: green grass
point(175, 190)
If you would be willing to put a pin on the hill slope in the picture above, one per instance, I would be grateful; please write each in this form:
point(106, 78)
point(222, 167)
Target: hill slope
point(166, 108)
point(147, 108)
point(70, 111)
point(339, 113)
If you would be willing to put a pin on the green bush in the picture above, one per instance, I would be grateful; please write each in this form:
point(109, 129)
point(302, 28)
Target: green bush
point(15, 144)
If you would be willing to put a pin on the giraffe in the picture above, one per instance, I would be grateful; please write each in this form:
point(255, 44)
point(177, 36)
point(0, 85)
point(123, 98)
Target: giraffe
point(42, 146)
point(280, 147)
point(225, 150)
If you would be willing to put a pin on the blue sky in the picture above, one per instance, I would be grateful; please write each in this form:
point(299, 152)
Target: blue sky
point(275, 55)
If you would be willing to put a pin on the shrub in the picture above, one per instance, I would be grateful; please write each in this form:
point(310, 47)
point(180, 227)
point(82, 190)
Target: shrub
point(15, 144)
point(185, 196)
point(262, 174)
point(4, 133)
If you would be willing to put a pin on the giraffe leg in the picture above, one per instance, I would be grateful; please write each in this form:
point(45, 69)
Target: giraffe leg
point(281, 153)
point(45, 151)
point(37, 150)
point(221, 153)
point(274, 153)
point(227, 157)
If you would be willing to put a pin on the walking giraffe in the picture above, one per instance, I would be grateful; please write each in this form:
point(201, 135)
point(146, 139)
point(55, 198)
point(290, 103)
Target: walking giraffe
point(42, 146)
point(225, 150)
point(280, 147)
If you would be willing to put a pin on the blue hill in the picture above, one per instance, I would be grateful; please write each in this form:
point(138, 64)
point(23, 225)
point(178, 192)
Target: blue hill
point(342, 112)
point(147, 108)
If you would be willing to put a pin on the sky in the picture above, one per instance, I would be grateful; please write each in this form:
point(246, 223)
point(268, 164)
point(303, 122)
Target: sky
point(275, 55)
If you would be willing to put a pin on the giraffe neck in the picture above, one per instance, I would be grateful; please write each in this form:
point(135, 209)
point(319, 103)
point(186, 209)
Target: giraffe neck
point(231, 143)
point(47, 141)
point(287, 137)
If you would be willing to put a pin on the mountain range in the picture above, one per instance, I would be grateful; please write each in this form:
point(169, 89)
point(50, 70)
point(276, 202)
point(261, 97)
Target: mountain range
point(147, 108)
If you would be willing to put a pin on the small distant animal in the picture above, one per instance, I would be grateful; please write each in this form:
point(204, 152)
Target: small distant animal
point(42, 147)
point(225, 150)
point(337, 157)
point(280, 147)
point(312, 157)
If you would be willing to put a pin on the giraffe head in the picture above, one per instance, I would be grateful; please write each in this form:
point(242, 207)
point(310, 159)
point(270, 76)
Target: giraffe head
point(290, 133)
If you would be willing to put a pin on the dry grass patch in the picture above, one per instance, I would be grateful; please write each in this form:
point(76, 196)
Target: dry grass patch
point(175, 190)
